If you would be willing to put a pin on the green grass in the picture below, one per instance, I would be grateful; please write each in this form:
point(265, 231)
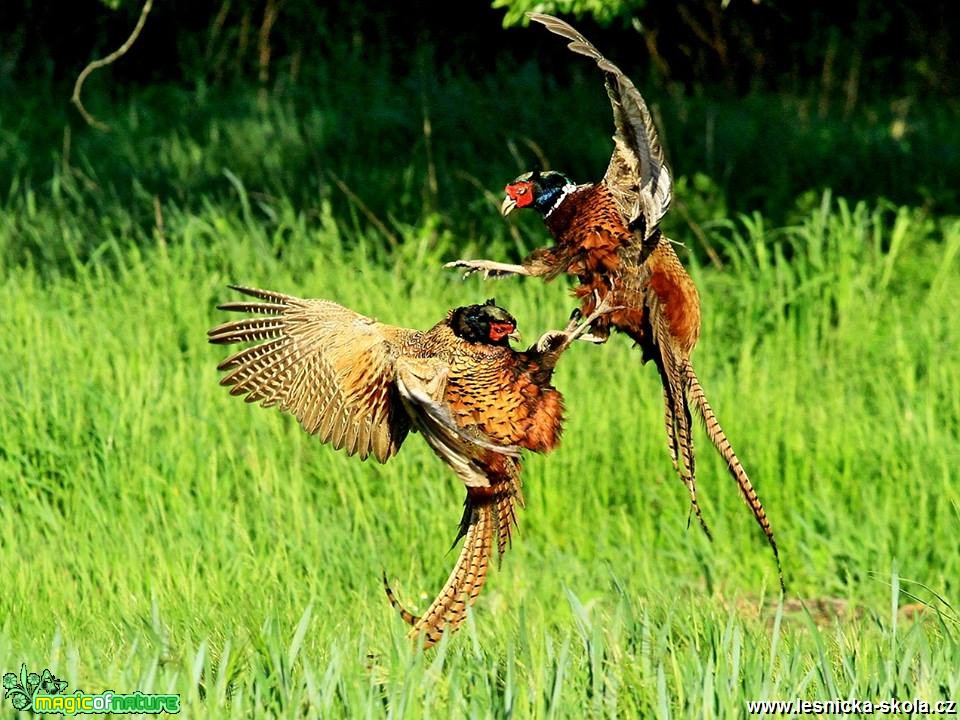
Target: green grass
point(156, 534)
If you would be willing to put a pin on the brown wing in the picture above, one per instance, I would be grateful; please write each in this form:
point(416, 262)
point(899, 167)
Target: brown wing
point(330, 367)
point(637, 175)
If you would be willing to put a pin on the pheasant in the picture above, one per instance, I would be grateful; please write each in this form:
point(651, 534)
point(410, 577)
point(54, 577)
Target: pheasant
point(608, 235)
point(362, 385)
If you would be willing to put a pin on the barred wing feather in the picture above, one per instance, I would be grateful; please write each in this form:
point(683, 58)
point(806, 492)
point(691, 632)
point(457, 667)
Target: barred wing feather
point(328, 366)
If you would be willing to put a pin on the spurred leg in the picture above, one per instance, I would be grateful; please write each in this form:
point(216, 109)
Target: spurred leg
point(489, 268)
point(577, 328)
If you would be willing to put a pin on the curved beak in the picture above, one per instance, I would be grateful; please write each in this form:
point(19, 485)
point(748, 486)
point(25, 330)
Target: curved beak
point(507, 206)
point(515, 335)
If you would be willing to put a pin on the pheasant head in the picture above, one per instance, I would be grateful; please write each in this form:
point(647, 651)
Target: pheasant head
point(488, 324)
point(542, 191)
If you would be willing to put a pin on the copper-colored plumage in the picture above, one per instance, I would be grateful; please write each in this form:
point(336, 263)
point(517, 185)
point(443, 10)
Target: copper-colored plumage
point(607, 234)
point(362, 385)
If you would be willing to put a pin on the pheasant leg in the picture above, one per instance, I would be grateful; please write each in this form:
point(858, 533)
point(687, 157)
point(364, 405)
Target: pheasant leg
point(489, 268)
point(577, 327)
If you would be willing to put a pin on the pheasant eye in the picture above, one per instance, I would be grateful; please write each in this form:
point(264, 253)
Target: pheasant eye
point(522, 193)
point(500, 330)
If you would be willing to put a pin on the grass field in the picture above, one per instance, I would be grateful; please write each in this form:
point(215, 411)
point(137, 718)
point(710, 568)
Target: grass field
point(159, 535)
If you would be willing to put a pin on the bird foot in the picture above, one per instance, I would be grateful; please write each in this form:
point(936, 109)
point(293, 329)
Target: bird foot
point(489, 268)
point(585, 337)
point(578, 326)
point(550, 339)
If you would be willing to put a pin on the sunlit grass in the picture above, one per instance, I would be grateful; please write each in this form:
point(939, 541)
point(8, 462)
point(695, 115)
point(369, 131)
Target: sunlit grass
point(157, 534)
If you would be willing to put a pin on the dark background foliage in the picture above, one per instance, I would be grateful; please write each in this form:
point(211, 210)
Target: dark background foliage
point(402, 112)
point(855, 47)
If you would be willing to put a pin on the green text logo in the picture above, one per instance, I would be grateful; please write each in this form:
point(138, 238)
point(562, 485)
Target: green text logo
point(44, 693)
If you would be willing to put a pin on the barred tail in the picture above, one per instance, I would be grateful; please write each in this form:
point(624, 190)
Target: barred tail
point(408, 617)
point(506, 510)
point(449, 609)
point(720, 442)
point(679, 439)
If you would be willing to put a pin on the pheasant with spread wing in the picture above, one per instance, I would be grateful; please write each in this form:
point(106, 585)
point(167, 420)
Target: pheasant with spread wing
point(608, 235)
point(362, 385)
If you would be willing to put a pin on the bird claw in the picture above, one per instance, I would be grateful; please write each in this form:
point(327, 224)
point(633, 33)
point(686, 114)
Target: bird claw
point(577, 328)
point(548, 339)
point(603, 306)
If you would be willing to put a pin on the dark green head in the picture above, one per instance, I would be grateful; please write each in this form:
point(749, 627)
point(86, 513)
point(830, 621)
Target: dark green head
point(488, 324)
point(536, 190)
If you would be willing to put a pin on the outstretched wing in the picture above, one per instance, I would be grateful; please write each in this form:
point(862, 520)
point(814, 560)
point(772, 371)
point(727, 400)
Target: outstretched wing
point(330, 367)
point(637, 175)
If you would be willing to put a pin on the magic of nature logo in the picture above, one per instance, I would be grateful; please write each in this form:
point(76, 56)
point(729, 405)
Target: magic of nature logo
point(46, 693)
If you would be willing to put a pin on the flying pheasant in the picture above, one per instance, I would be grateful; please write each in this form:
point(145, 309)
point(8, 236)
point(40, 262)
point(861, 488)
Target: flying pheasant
point(608, 234)
point(361, 386)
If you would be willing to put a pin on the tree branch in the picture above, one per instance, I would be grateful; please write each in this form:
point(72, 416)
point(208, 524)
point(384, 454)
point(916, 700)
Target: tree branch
point(111, 58)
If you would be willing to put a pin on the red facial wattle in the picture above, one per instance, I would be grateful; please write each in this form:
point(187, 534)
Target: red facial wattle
point(500, 330)
point(521, 193)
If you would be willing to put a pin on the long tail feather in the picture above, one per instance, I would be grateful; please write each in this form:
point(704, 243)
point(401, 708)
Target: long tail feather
point(679, 438)
point(448, 610)
point(506, 519)
point(408, 617)
point(670, 426)
point(720, 442)
point(506, 509)
point(684, 439)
